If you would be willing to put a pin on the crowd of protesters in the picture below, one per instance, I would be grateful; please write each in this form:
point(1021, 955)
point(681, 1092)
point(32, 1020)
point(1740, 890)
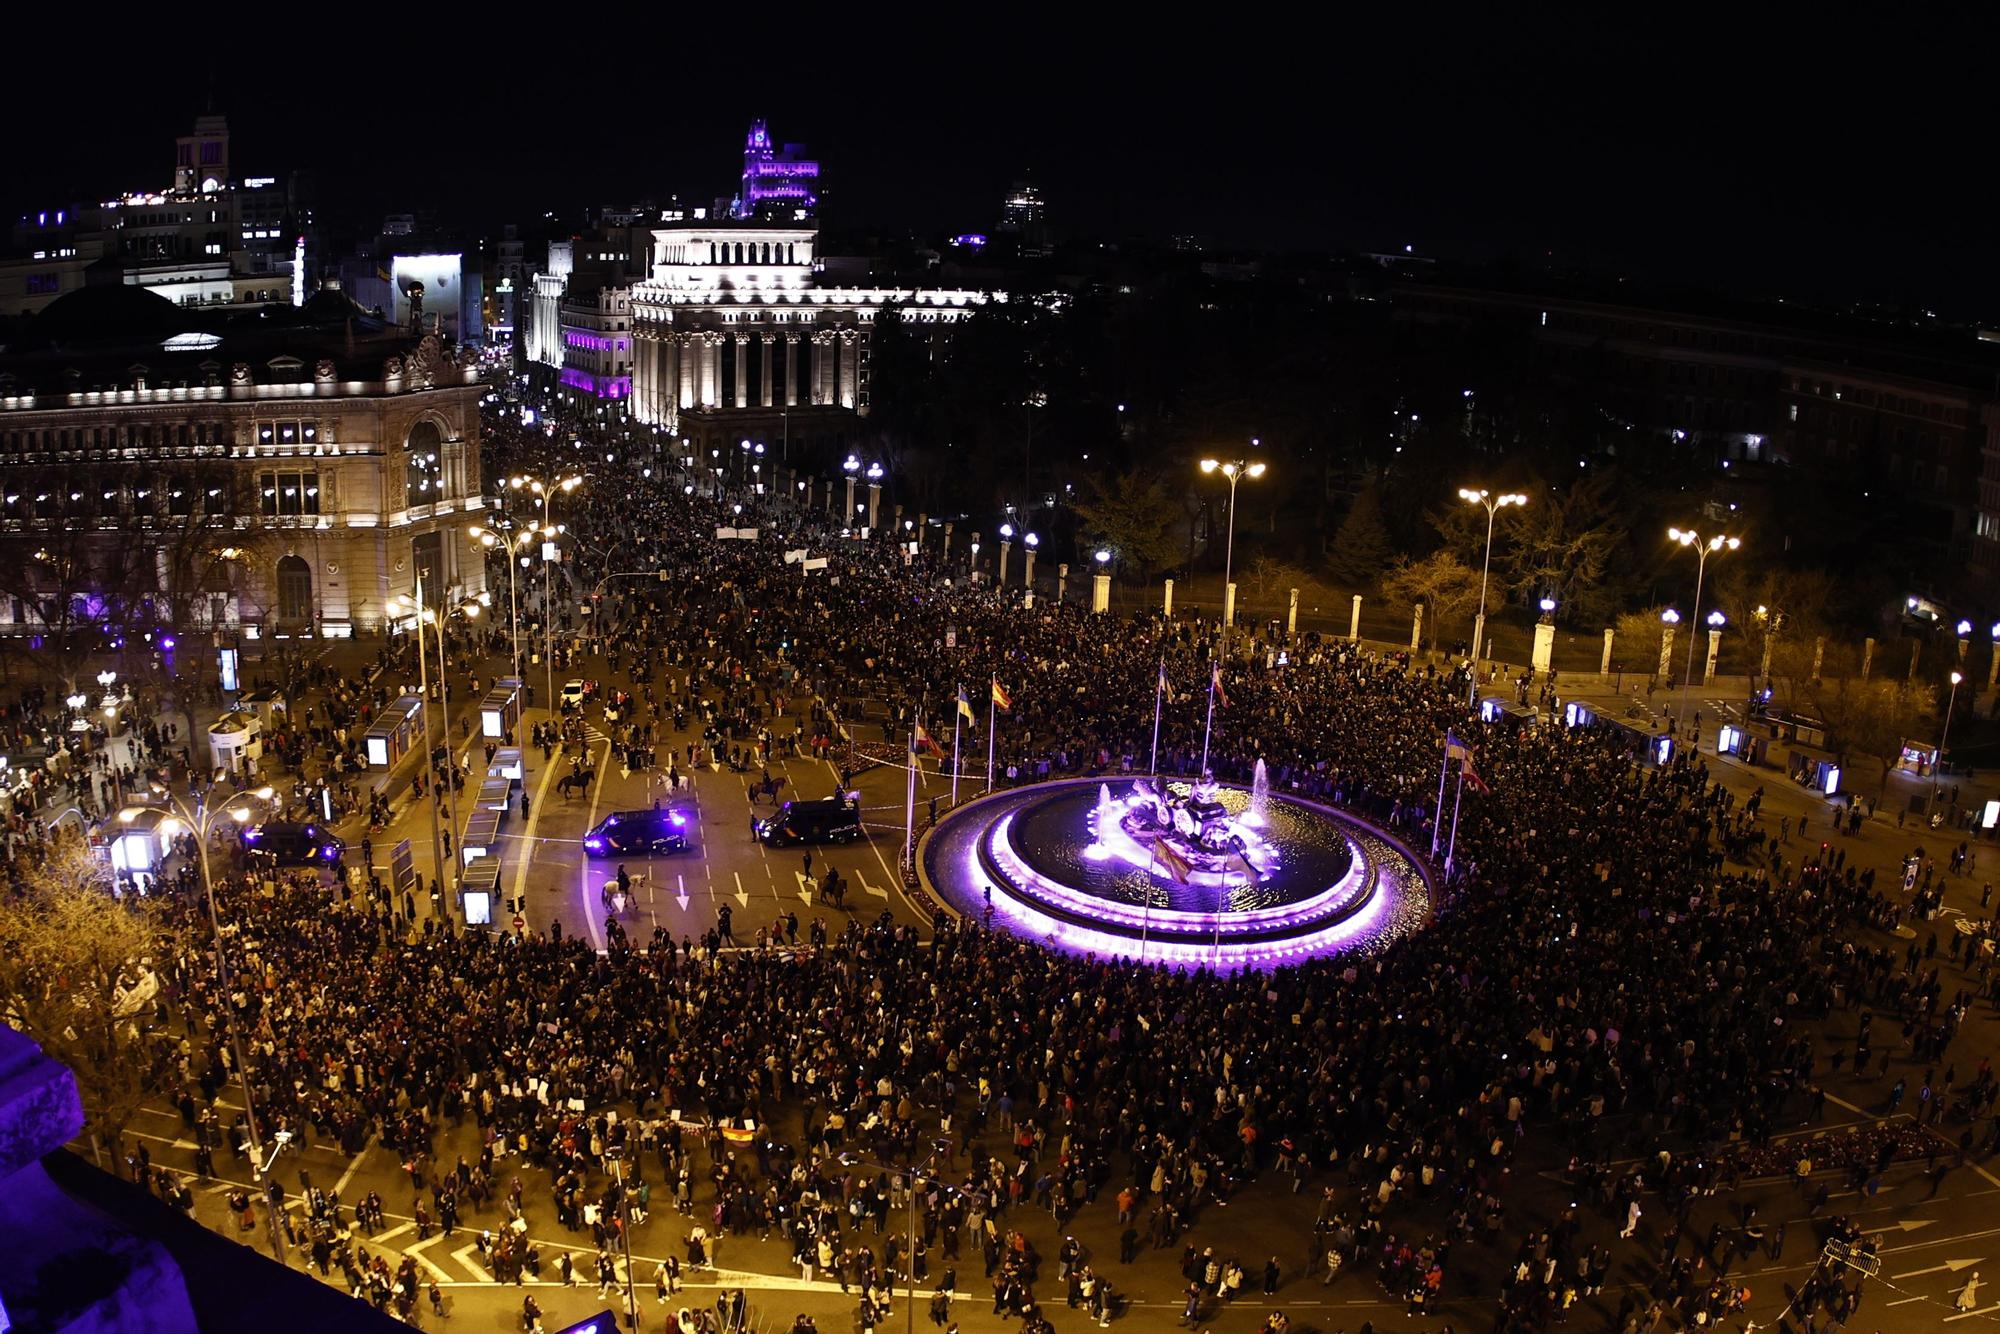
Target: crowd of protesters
point(1624, 965)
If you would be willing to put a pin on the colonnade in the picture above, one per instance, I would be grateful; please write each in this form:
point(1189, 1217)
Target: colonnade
point(674, 370)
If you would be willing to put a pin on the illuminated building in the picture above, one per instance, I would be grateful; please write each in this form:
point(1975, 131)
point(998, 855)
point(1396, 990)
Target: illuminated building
point(779, 185)
point(205, 240)
point(1024, 216)
point(735, 338)
point(286, 471)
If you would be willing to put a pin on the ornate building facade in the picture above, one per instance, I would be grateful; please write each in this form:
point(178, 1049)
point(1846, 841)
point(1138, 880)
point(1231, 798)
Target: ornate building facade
point(734, 338)
point(281, 476)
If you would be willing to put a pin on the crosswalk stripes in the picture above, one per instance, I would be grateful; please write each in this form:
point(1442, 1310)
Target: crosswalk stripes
point(594, 737)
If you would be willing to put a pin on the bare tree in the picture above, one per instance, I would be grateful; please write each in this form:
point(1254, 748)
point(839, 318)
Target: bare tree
point(75, 977)
point(1441, 583)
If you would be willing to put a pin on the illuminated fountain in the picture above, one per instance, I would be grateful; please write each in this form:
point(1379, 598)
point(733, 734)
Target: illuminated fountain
point(1174, 872)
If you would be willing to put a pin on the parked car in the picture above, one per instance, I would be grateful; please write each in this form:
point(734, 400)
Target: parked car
point(635, 832)
point(834, 819)
point(288, 843)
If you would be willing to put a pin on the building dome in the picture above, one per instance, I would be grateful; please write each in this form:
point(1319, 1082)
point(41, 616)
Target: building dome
point(105, 316)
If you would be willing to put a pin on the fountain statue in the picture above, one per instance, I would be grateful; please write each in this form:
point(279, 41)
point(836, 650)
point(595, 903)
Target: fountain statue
point(1260, 796)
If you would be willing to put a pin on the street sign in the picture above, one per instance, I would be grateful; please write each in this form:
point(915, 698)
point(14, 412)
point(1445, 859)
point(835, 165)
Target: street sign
point(520, 922)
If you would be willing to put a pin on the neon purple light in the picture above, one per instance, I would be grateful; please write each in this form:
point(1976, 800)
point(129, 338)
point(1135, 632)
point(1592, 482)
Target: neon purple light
point(1254, 921)
point(598, 386)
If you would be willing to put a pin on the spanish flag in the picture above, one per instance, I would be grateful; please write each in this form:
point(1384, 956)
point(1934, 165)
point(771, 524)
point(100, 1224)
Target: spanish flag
point(1177, 865)
point(1215, 682)
point(1001, 698)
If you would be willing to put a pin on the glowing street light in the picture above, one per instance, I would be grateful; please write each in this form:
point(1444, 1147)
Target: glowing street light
point(1703, 548)
point(1235, 470)
point(1944, 735)
point(1492, 504)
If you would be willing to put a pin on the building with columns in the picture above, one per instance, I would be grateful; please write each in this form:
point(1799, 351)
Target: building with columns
point(276, 474)
point(735, 338)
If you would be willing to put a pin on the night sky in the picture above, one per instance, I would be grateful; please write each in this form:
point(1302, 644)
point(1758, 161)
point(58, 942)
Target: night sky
point(1840, 166)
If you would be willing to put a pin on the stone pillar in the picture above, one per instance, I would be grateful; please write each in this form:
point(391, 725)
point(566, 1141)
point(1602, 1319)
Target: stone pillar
point(1417, 628)
point(1666, 654)
point(1714, 651)
point(1993, 668)
point(1006, 545)
point(923, 523)
point(711, 370)
point(1867, 657)
point(1545, 646)
point(1028, 556)
point(1819, 659)
point(769, 345)
point(791, 369)
point(1229, 604)
point(850, 376)
point(822, 348)
point(1100, 592)
point(1916, 656)
point(1604, 667)
point(1354, 622)
point(742, 370)
point(1167, 601)
point(1062, 581)
point(1292, 615)
point(946, 549)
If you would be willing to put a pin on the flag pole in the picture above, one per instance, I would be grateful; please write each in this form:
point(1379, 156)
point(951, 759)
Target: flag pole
point(991, 702)
point(958, 716)
point(1437, 811)
point(1159, 689)
point(1209, 727)
point(1457, 797)
point(1215, 949)
point(910, 796)
point(1146, 922)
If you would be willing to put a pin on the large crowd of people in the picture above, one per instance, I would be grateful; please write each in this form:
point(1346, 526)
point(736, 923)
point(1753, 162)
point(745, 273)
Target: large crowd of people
point(1624, 967)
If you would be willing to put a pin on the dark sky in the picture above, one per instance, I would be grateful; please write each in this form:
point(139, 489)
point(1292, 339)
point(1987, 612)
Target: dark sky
point(1851, 164)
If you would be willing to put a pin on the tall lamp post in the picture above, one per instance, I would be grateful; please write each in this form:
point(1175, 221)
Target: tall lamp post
point(200, 821)
point(1703, 548)
point(1492, 504)
point(1937, 770)
point(513, 543)
point(416, 609)
point(550, 530)
point(1235, 471)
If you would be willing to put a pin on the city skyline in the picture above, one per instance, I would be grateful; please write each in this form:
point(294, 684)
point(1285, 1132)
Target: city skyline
point(1749, 172)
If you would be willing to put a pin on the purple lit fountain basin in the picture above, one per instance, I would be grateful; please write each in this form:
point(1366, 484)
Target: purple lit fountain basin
point(1074, 864)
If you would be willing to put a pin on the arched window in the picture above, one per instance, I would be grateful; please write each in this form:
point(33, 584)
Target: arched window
point(423, 478)
point(295, 591)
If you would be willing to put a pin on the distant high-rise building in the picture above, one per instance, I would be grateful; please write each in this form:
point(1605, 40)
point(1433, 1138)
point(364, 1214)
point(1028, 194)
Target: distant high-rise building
point(1024, 215)
point(778, 185)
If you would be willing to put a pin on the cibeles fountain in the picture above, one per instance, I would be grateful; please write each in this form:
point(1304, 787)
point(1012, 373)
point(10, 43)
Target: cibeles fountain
point(1172, 871)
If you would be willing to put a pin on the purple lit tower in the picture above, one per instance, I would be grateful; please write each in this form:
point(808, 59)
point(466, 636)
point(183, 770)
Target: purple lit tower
point(776, 183)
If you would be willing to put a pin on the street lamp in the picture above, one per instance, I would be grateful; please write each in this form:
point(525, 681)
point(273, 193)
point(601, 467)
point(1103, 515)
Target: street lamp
point(1938, 768)
point(1492, 504)
point(851, 465)
point(415, 606)
point(1703, 548)
point(1235, 471)
point(199, 822)
point(490, 539)
point(1006, 546)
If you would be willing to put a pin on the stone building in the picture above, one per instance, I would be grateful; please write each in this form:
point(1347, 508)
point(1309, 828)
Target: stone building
point(287, 472)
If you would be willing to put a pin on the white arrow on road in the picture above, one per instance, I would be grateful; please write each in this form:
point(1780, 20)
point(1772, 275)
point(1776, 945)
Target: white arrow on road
point(416, 1253)
point(805, 887)
point(682, 897)
point(464, 1256)
point(742, 898)
point(1912, 1224)
point(1952, 1266)
point(878, 893)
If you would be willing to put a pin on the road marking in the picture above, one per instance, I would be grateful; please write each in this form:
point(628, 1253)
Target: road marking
point(340, 1187)
point(742, 897)
point(464, 1256)
point(805, 887)
point(1905, 1301)
point(1952, 1265)
point(395, 1231)
point(1967, 1315)
point(878, 893)
point(534, 821)
point(682, 896)
point(1912, 1224)
point(416, 1253)
point(596, 791)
